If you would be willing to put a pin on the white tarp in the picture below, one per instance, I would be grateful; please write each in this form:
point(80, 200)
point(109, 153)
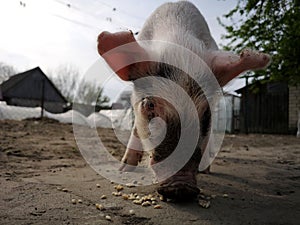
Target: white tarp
point(70, 116)
point(99, 120)
point(121, 119)
point(8, 112)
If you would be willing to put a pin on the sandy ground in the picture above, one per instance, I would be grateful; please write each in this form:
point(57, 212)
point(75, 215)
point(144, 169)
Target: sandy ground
point(42, 170)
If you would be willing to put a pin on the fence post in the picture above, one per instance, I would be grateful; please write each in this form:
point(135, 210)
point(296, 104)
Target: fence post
point(246, 106)
point(42, 98)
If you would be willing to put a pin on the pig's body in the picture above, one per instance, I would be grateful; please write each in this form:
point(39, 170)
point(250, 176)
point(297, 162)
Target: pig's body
point(182, 24)
point(170, 23)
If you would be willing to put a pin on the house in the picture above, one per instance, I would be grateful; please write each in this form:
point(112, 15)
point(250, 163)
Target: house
point(33, 88)
point(269, 108)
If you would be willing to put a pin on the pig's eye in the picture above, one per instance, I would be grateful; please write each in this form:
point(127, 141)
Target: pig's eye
point(142, 99)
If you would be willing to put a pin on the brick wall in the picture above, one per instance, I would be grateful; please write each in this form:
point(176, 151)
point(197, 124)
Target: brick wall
point(294, 107)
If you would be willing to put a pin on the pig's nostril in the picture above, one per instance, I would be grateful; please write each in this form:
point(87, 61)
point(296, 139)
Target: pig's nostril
point(151, 105)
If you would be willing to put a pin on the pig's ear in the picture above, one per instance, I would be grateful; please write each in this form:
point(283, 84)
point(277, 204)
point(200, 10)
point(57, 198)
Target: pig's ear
point(226, 66)
point(119, 56)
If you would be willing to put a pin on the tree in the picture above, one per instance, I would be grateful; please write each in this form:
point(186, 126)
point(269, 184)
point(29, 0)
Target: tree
point(67, 79)
point(271, 27)
point(6, 71)
point(87, 91)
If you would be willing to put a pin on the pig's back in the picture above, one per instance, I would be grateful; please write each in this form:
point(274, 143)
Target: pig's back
point(172, 21)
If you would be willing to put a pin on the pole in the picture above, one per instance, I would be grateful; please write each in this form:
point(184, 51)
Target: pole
point(42, 98)
point(232, 115)
point(246, 106)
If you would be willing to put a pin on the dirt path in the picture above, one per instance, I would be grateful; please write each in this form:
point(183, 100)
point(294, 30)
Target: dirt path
point(255, 180)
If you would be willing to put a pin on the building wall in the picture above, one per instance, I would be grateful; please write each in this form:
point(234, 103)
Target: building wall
point(265, 111)
point(294, 107)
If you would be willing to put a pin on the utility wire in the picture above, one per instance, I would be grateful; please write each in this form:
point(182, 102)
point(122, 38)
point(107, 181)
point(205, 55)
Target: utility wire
point(89, 14)
point(115, 22)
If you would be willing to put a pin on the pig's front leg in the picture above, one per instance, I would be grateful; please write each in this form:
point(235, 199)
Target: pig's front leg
point(132, 155)
point(226, 65)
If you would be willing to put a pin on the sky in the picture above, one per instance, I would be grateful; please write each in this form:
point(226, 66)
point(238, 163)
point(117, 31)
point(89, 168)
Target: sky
point(51, 33)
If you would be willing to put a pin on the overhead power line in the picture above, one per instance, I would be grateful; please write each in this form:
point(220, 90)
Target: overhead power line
point(76, 9)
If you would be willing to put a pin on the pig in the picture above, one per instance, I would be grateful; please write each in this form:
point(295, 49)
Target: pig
point(181, 24)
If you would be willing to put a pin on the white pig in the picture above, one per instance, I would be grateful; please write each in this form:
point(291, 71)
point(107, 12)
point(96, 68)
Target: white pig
point(182, 24)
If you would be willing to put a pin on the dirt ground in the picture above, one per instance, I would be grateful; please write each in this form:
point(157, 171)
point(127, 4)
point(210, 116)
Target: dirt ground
point(255, 180)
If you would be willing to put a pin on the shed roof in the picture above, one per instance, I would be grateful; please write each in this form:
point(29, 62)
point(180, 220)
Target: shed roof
point(13, 81)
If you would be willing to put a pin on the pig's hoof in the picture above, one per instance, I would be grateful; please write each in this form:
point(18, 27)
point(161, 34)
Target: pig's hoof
point(206, 171)
point(127, 168)
point(180, 191)
point(255, 59)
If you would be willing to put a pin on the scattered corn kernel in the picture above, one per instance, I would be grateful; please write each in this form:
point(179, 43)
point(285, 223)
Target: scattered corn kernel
point(99, 206)
point(116, 193)
point(98, 185)
point(147, 203)
point(131, 197)
point(204, 204)
point(103, 197)
point(138, 202)
point(73, 201)
point(131, 212)
point(79, 201)
point(162, 198)
point(119, 187)
point(125, 196)
point(225, 195)
point(157, 207)
point(108, 218)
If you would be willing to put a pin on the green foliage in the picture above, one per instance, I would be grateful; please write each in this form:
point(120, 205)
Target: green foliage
point(269, 26)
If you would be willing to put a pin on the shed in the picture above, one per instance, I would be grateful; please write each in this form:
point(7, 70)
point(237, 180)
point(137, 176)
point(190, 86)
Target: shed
point(270, 107)
point(33, 88)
